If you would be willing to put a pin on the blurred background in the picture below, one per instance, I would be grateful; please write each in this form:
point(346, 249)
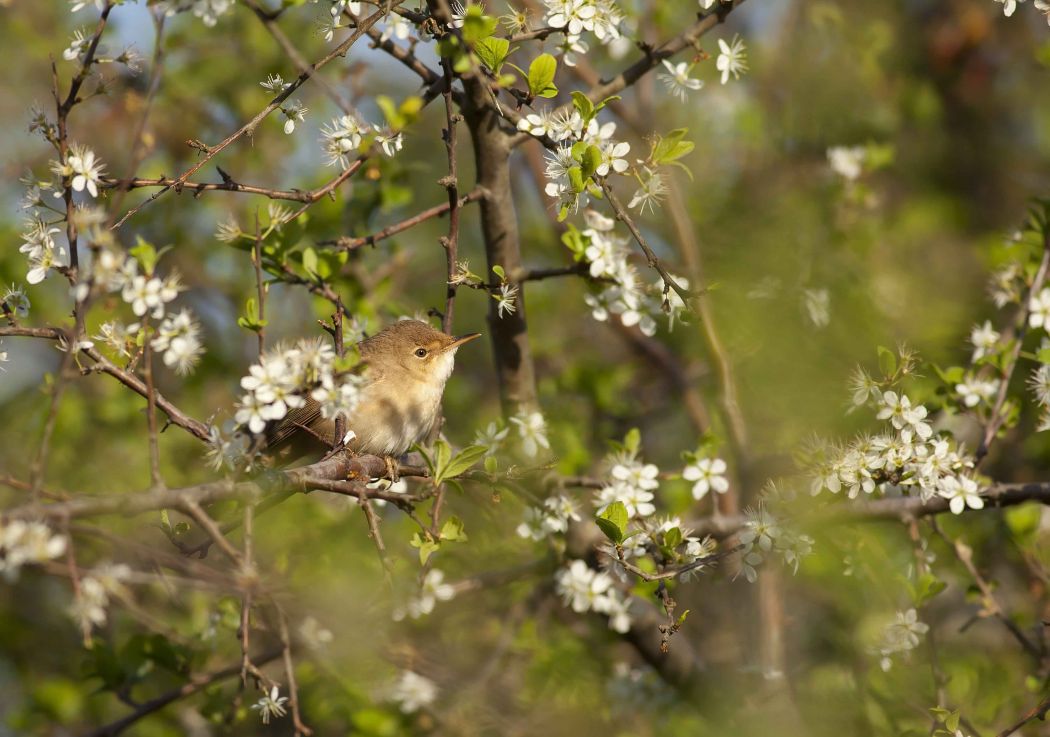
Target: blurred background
point(809, 272)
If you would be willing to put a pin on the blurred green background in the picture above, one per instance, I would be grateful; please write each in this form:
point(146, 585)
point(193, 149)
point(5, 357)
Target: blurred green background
point(951, 96)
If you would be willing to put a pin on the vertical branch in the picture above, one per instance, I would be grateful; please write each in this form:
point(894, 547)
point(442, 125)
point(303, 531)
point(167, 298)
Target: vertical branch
point(499, 228)
point(260, 286)
point(451, 184)
point(289, 673)
point(689, 250)
point(247, 572)
point(138, 150)
point(340, 351)
point(922, 568)
point(151, 408)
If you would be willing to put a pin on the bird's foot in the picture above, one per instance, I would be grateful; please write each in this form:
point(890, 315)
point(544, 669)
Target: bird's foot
point(393, 469)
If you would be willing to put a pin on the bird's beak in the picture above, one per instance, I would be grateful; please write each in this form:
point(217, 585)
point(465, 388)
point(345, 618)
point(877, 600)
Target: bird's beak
point(462, 339)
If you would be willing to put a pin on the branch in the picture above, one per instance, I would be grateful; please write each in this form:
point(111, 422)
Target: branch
point(348, 243)
point(128, 379)
point(652, 59)
point(342, 473)
point(995, 419)
point(211, 151)
point(1038, 712)
point(195, 684)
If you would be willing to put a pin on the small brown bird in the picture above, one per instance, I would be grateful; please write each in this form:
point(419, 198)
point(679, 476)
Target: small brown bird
point(408, 364)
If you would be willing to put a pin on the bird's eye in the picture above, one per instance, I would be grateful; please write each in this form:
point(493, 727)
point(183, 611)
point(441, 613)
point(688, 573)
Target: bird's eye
point(421, 352)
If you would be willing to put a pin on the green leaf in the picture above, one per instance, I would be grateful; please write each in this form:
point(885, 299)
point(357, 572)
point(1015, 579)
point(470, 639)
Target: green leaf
point(673, 538)
point(632, 441)
point(668, 148)
point(310, 260)
point(250, 320)
point(442, 455)
point(583, 106)
point(927, 587)
point(592, 159)
point(426, 546)
point(576, 179)
point(145, 253)
point(498, 271)
point(463, 461)
point(493, 52)
point(541, 76)
point(887, 361)
point(575, 241)
point(1023, 520)
point(613, 521)
point(452, 530)
point(390, 112)
point(951, 375)
point(491, 464)
point(477, 25)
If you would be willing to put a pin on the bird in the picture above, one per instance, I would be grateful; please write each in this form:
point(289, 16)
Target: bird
point(407, 366)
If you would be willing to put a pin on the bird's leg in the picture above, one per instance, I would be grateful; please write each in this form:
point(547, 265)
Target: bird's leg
point(393, 470)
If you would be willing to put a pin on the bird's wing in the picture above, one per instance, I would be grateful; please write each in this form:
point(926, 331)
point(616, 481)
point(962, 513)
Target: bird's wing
point(299, 419)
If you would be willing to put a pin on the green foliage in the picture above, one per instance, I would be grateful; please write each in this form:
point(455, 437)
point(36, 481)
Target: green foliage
point(613, 521)
point(541, 76)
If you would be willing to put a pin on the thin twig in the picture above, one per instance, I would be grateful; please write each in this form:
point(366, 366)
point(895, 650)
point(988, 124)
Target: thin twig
point(996, 418)
point(192, 686)
point(211, 151)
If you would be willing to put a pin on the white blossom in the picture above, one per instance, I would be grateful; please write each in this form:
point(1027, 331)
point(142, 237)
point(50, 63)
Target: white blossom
point(677, 79)
point(23, 543)
point(1009, 6)
point(973, 391)
point(847, 161)
point(178, 338)
point(532, 429)
point(506, 299)
point(1039, 310)
point(271, 705)
point(708, 474)
point(984, 339)
point(412, 692)
point(732, 59)
point(961, 492)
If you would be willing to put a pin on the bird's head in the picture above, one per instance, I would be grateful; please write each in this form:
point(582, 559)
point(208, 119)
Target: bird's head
point(414, 349)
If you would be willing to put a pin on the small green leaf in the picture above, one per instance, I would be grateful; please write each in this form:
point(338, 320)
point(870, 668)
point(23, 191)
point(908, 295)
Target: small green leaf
point(442, 455)
point(575, 241)
point(464, 460)
point(541, 76)
point(632, 441)
point(493, 52)
point(452, 530)
point(1023, 520)
point(145, 253)
point(592, 159)
point(499, 272)
point(310, 260)
point(613, 521)
point(681, 619)
point(673, 538)
point(491, 464)
point(576, 179)
point(887, 361)
point(583, 106)
point(477, 25)
point(390, 112)
point(426, 546)
point(668, 148)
